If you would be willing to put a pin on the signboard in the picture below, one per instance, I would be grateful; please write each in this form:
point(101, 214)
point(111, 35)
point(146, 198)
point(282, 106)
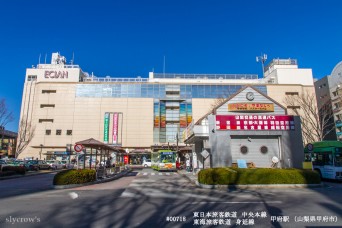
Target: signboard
point(106, 128)
point(251, 107)
point(78, 148)
point(126, 159)
point(205, 153)
point(115, 127)
point(310, 147)
point(241, 163)
point(255, 122)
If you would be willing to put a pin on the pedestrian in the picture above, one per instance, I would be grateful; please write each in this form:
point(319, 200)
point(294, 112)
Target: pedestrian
point(188, 165)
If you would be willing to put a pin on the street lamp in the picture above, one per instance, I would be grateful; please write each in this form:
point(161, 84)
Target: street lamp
point(40, 153)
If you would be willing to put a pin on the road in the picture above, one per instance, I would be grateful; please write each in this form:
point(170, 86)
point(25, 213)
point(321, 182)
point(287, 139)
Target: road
point(145, 198)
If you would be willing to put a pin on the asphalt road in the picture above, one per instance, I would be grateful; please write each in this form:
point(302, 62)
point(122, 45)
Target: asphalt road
point(145, 198)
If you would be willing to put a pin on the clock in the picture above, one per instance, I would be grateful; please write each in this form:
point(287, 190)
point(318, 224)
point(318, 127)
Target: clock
point(250, 96)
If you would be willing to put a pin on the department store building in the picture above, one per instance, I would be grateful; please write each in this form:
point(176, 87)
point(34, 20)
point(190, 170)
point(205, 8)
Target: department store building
point(67, 105)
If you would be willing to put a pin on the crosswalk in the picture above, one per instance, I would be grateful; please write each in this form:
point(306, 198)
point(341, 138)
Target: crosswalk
point(155, 174)
point(155, 184)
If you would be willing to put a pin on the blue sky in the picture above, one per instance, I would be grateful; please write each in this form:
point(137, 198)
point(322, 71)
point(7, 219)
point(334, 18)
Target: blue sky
point(129, 38)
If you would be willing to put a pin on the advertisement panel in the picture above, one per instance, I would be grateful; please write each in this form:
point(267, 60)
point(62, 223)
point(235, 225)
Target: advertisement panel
point(106, 128)
point(255, 122)
point(251, 107)
point(115, 127)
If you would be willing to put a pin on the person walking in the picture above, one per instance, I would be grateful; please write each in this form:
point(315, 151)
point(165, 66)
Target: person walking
point(188, 165)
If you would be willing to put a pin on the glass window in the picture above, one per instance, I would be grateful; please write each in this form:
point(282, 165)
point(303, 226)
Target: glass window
point(69, 132)
point(58, 132)
point(48, 132)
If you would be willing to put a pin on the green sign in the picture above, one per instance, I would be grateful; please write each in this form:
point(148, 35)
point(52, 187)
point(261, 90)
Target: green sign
point(106, 128)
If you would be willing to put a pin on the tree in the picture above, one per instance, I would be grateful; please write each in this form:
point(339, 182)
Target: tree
point(25, 135)
point(316, 124)
point(5, 118)
point(5, 115)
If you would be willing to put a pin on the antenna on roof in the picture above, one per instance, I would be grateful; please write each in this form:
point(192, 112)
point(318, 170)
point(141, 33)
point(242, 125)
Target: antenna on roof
point(262, 59)
point(164, 66)
point(72, 60)
point(39, 58)
point(45, 58)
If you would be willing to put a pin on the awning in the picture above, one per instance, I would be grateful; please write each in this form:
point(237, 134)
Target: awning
point(95, 144)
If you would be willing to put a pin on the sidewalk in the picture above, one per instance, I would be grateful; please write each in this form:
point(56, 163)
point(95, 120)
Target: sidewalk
point(191, 176)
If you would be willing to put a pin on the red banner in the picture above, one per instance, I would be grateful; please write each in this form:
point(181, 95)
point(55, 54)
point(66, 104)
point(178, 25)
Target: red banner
point(255, 122)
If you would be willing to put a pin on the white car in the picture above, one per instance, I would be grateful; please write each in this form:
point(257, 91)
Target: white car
point(147, 163)
point(55, 164)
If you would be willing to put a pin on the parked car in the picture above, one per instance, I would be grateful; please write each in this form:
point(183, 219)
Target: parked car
point(67, 164)
point(19, 163)
point(3, 163)
point(38, 164)
point(147, 163)
point(54, 164)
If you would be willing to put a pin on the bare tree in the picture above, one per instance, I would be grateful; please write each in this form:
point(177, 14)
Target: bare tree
point(5, 117)
point(25, 135)
point(316, 124)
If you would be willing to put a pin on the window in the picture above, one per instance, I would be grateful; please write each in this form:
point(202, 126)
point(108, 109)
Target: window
point(69, 132)
point(48, 132)
point(31, 77)
point(48, 91)
point(45, 120)
point(293, 107)
point(58, 132)
point(264, 149)
point(291, 93)
point(244, 150)
point(47, 106)
point(172, 92)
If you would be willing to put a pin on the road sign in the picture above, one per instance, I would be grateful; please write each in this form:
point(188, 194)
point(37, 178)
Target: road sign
point(78, 148)
point(310, 147)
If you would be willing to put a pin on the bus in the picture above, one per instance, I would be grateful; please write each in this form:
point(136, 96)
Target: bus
point(164, 160)
point(326, 158)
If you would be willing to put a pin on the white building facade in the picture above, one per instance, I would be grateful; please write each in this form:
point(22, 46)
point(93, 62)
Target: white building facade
point(67, 105)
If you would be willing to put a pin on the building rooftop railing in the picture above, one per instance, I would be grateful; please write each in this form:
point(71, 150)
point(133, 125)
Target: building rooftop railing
point(205, 76)
point(109, 79)
point(55, 66)
point(281, 62)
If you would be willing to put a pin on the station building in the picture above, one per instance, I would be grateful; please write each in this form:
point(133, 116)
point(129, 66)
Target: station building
point(67, 105)
point(248, 126)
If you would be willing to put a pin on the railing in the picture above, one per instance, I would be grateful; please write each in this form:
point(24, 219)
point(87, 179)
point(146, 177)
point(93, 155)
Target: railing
point(205, 76)
point(108, 79)
point(56, 66)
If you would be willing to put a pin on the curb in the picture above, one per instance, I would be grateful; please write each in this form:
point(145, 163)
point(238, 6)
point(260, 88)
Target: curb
point(250, 186)
point(258, 186)
point(25, 175)
point(117, 176)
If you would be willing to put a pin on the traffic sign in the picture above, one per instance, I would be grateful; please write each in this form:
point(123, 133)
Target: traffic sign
point(78, 147)
point(310, 147)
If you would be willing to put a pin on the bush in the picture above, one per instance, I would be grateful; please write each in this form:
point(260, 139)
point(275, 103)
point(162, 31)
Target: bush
point(73, 176)
point(16, 169)
point(226, 176)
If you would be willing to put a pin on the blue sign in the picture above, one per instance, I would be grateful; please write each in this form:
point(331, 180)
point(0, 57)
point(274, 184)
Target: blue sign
point(241, 163)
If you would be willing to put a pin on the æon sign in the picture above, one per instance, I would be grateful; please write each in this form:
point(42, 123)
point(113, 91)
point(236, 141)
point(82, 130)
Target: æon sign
point(56, 74)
